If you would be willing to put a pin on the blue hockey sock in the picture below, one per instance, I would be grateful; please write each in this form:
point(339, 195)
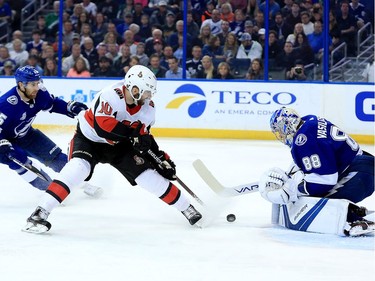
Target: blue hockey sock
point(41, 184)
point(58, 162)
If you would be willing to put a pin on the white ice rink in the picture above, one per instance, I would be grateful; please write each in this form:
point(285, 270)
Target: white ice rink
point(131, 235)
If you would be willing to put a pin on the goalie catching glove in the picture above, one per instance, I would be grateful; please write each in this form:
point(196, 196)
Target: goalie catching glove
point(75, 107)
point(277, 187)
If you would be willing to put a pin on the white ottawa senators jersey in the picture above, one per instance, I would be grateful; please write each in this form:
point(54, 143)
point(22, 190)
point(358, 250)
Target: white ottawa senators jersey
point(109, 117)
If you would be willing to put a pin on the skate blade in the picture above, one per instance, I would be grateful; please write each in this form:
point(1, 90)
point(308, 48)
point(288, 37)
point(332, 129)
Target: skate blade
point(36, 229)
point(358, 231)
point(199, 224)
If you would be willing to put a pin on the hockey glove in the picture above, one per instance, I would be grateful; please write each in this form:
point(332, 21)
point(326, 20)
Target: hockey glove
point(167, 167)
point(7, 151)
point(141, 138)
point(276, 187)
point(75, 107)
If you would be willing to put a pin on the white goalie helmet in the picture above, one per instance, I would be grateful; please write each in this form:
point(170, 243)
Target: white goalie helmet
point(285, 123)
point(143, 79)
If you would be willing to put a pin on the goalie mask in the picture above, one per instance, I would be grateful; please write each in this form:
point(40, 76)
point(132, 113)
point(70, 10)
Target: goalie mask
point(140, 81)
point(284, 123)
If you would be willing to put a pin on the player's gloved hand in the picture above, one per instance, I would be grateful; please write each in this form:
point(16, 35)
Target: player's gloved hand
point(7, 151)
point(75, 107)
point(167, 167)
point(277, 187)
point(296, 174)
point(141, 138)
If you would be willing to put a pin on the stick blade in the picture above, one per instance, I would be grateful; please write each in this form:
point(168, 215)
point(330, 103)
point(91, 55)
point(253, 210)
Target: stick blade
point(207, 176)
point(217, 187)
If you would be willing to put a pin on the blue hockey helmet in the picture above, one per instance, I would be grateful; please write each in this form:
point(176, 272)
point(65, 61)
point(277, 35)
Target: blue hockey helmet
point(284, 124)
point(27, 74)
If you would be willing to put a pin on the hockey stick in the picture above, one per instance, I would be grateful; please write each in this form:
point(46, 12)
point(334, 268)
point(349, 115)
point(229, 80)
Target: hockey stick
point(189, 191)
point(224, 191)
point(28, 167)
point(217, 187)
point(158, 161)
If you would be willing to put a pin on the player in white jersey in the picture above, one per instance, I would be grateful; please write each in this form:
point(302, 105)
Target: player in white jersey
point(116, 130)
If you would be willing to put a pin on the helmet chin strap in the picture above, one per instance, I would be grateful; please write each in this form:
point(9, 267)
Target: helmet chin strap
point(135, 101)
point(138, 102)
point(132, 100)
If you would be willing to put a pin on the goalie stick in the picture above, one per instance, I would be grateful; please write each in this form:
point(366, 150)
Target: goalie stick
point(224, 191)
point(28, 167)
point(217, 187)
point(158, 161)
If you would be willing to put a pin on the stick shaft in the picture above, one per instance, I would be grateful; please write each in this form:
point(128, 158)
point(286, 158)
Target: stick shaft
point(189, 191)
point(158, 161)
point(29, 167)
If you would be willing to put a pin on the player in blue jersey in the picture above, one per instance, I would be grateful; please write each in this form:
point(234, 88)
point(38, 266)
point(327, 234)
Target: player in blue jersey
point(331, 166)
point(19, 141)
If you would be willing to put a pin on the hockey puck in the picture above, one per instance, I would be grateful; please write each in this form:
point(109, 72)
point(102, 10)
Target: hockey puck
point(231, 218)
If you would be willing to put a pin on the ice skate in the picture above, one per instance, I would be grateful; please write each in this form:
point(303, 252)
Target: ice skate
point(359, 211)
point(358, 228)
point(192, 215)
point(37, 222)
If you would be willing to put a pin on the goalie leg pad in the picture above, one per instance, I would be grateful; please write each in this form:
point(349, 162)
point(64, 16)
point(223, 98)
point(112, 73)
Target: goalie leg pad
point(275, 214)
point(321, 215)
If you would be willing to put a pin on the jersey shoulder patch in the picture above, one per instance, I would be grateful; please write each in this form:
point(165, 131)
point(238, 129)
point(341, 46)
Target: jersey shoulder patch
point(13, 100)
point(119, 93)
point(300, 140)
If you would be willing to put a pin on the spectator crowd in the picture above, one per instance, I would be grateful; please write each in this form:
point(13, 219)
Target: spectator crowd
point(225, 38)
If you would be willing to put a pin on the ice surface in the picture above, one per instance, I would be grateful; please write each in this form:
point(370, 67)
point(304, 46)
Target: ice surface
point(130, 235)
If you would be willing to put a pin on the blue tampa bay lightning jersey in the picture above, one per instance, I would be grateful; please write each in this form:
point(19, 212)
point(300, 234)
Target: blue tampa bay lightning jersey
point(17, 116)
point(323, 152)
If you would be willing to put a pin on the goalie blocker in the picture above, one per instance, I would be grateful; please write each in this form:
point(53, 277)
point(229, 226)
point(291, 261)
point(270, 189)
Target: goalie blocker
point(323, 215)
